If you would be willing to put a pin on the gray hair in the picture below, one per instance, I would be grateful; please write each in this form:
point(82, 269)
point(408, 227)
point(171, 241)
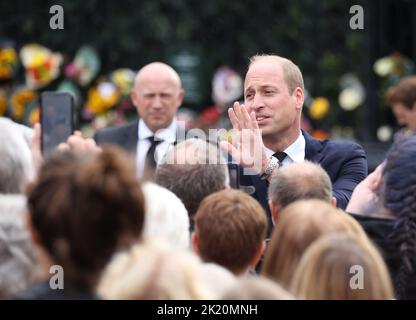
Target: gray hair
point(16, 165)
point(16, 252)
point(300, 181)
point(167, 219)
point(192, 170)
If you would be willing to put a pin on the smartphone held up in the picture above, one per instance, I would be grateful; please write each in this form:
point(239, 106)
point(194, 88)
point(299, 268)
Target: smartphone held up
point(57, 119)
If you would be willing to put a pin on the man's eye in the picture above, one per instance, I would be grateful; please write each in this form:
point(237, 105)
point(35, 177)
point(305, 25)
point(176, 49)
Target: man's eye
point(249, 95)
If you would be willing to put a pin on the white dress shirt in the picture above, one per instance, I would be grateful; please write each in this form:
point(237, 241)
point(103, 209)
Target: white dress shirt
point(167, 136)
point(295, 152)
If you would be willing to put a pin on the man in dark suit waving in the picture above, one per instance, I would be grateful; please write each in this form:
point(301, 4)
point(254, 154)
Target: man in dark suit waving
point(157, 94)
point(270, 117)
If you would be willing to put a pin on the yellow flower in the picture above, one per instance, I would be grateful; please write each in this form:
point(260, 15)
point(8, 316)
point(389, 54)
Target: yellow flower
point(19, 102)
point(319, 108)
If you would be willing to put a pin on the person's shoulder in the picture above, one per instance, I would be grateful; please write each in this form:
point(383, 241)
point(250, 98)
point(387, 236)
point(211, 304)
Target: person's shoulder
point(115, 130)
point(345, 146)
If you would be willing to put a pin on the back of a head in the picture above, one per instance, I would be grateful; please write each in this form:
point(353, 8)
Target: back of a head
point(230, 227)
point(342, 267)
point(404, 92)
point(398, 196)
point(300, 224)
point(166, 216)
point(17, 258)
point(84, 207)
point(16, 165)
point(154, 271)
point(300, 181)
point(192, 170)
point(257, 288)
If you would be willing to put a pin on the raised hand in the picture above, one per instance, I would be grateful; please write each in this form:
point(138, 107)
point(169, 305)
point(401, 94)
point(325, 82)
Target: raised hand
point(247, 143)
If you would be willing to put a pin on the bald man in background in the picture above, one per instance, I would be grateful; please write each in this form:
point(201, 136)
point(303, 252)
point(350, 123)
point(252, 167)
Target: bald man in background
point(157, 94)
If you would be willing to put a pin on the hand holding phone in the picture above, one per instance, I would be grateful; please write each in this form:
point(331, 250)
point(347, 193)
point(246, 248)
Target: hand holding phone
point(57, 119)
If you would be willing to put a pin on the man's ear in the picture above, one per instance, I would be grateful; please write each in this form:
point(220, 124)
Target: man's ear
point(274, 209)
point(181, 95)
point(300, 97)
point(133, 96)
point(334, 201)
point(195, 242)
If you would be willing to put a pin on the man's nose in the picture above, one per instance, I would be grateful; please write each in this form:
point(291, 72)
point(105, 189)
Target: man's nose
point(257, 102)
point(157, 102)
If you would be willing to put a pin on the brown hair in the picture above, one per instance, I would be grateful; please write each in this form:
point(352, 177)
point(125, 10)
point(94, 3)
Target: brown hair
point(84, 207)
point(300, 224)
point(404, 92)
point(230, 226)
point(327, 268)
point(291, 72)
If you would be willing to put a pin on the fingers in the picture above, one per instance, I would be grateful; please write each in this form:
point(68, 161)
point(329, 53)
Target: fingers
point(234, 119)
point(63, 147)
point(235, 154)
point(240, 118)
point(78, 143)
point(253, 120)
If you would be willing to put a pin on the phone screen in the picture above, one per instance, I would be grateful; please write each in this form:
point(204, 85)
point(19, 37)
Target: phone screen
point(234, 175)
point(56, 119)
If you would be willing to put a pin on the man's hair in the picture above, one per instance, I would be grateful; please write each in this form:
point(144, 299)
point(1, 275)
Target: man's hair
point(404, 92)
point(16, 164)
point(300, 224)
point(85, 207)
point(192, 170)
point(300, 181)
point(230, 226)
point(292, 74)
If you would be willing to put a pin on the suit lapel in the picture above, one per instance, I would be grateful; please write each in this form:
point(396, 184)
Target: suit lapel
point(130, 136)
point(313, 148)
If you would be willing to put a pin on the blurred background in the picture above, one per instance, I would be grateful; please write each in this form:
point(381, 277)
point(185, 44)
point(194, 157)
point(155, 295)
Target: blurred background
point(104, 43)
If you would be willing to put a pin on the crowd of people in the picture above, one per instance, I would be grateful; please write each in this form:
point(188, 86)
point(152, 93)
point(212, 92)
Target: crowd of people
point(146, 210)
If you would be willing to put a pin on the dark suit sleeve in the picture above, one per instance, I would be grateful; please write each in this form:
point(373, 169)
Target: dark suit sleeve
point(353, 170)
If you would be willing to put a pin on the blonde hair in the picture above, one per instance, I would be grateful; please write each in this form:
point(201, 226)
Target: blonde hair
point(292, 74)
point(257, 288)
point(154, 271)
point(300, 224)
point(167, 219)
point(325, 271)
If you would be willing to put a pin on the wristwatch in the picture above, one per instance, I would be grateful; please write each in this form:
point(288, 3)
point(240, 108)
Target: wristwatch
point(273, 163)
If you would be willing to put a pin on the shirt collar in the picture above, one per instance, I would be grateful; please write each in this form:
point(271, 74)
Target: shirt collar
point(166, 134)
point(296, 151)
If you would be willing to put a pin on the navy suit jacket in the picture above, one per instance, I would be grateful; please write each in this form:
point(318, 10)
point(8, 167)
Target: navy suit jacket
point(344, 161)
point(124, 136)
